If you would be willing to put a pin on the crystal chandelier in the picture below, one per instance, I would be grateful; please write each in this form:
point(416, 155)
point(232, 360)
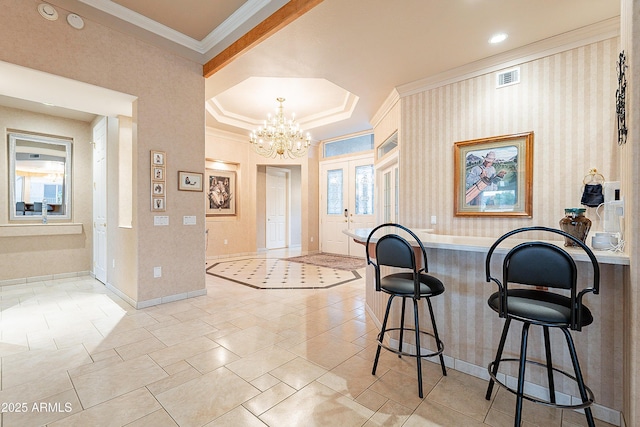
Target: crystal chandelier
point(280, 137)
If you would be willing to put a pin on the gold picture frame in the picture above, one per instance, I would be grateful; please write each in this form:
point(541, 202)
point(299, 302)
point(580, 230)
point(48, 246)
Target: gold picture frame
point(158, 204)
point(158, 158)
point(494, 176)
point(158, 181)
point(189, 181)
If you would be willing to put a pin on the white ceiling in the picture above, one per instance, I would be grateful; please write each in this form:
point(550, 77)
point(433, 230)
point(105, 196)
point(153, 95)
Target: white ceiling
point(337, 63)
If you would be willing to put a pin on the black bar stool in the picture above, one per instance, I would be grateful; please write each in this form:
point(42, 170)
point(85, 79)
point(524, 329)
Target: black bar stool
point(541, 265)
point(392, 250)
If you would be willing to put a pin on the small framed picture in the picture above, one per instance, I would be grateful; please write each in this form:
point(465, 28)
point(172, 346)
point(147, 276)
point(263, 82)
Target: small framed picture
point(157, 173)
point(158, 158)
point(157, 188)
point(157, 204)
point(189, 181)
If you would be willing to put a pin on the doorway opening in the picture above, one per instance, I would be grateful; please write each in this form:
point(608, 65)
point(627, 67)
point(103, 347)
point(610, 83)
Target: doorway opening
point(278, 207)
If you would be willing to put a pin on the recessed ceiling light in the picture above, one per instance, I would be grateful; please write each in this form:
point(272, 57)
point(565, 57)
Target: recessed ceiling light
point(47, 11)
point(497, 38)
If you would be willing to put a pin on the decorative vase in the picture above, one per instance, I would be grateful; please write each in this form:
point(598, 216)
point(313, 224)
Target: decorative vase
point(576, 224)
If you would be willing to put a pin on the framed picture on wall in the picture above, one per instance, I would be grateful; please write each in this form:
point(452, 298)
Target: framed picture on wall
point(158, 204)
point(157, 173)
point(157, 158)
point(189, 181)
point(158, 181)
point(157, 188)
point(494, 176)
point(220, 197)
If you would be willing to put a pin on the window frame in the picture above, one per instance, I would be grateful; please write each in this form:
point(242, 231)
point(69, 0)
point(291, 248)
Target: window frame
point(13, 140)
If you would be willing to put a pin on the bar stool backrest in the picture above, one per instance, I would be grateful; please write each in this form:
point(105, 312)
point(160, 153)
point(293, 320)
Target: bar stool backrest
point(540, 264)
point(393, 250)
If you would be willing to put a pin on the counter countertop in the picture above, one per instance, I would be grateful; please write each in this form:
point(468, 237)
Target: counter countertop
point(482, 244)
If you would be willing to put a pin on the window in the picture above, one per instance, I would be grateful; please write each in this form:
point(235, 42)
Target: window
point(348, 146)
point(334, 192)
point(39, 176)
point(364, 190)
point(388, 145)
point(390, 190)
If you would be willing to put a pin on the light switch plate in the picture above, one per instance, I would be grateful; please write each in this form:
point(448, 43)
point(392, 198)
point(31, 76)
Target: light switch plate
point(189, 220)
point(160, 220)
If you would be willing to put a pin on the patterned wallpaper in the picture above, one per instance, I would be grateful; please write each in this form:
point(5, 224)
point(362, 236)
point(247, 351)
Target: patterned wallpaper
point(566, 99)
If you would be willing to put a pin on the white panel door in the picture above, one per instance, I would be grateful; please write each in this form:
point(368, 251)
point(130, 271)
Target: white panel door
point(346, 202)
point(276, 206)
point(100, 200)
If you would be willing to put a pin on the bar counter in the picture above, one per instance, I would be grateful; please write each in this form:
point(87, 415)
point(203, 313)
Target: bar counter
point(471, 331)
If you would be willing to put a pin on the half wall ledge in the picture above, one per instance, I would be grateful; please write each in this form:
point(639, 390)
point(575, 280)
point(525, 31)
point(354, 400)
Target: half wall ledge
point(25, 230)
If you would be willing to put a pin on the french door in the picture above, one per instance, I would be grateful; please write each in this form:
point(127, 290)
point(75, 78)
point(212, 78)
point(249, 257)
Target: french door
point(346, 202)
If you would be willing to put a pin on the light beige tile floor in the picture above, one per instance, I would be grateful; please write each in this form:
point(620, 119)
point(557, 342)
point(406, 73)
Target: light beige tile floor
point(74, 354)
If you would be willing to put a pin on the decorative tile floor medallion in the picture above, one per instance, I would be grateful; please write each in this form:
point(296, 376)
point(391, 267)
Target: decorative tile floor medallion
point(274, 273)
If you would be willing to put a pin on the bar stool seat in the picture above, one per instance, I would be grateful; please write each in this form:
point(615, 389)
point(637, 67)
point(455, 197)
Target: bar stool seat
point(402, 284)
point(392, 250)
point(546, 307)
point(545, 269)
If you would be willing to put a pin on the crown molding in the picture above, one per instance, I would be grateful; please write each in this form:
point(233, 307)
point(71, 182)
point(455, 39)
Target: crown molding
point(237, 19)
point(386, 106)
point(603, 30)
point(230, 136)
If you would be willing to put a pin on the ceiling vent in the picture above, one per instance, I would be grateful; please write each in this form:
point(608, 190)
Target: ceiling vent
point(508, 78)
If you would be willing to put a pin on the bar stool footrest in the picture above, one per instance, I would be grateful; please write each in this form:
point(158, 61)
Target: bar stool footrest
point(582, 405)
point(439, 343)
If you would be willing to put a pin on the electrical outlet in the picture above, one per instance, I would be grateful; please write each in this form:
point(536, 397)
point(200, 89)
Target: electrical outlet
point(157, 272)
point(433, 220)
point(225, 241)
point(311, 239)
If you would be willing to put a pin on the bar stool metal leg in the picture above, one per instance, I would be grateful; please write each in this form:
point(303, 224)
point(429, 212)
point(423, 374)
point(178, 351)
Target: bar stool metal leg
point(404, 300)
point(436, 336)
point(521, 370)
point(547, 348)
point(579, 378)
point(418, 357)
point(496, 362)
point(381, 336)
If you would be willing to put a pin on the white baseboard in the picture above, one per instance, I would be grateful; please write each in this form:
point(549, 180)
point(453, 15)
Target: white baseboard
point(32, 279)
point(170, 298)
point(155, 301)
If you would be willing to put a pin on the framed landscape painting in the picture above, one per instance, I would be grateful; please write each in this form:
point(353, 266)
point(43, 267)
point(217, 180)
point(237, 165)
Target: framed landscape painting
point(494, 176)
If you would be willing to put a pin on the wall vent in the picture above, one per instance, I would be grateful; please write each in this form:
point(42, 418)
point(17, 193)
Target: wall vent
point(508, 78)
